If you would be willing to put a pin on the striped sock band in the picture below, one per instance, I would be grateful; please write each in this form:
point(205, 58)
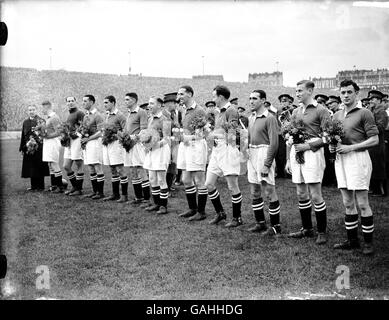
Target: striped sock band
point(79, 180)
point(236, 200)
point(274, 211)
point(202, 195)
point(124, 185)
point(305, 207)
point(155, 191)
point(215, 198)
point(146, 189)
point(137, 185)
point(257, 206)
point(93, 180)
point(367, 228)
point(321, 216)
point(164, 194)
point(351, 223)
point(190, 193)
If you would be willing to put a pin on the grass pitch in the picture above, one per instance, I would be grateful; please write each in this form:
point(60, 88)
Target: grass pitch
point(97, 250)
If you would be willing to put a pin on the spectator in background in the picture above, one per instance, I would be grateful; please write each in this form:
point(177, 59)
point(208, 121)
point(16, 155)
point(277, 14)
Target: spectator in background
point(271, 108)
point(321, 99)
point(329, 178)
point(242, 118)
point(33, 167)
point(211, 107)
point(284, 114)
point(171, 112)
point(377, 153)
point(234, 101)
point(333, 104)
point(365, 102)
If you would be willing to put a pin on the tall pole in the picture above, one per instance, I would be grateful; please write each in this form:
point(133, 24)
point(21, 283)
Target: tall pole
point(129, 62)
point(50, 51)
point(203, 63)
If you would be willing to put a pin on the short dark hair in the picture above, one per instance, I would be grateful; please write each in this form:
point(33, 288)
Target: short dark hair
point(188, 89)
point(111, 99)
point(349, 82)
point(262, 94)
point(307, 83)
point(222, 91)
point(132, 95)
point(90, 97)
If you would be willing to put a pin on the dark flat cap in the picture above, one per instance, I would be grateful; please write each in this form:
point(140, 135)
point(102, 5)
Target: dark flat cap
point(322, 97)
point(233, 100)
point(241, 107)
point(210, 104)
point(170, 97)
point(334, 99)
point(285, 95)
point(375, 94)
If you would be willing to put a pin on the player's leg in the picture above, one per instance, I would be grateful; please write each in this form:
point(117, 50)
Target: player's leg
point(320, 212)
point(236, 199)
point(305, 207)
point(366, 220)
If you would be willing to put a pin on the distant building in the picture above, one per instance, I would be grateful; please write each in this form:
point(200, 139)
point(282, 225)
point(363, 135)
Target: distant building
point(366, 79)
point(266, 79)
point(325, 83)
point(209, 77)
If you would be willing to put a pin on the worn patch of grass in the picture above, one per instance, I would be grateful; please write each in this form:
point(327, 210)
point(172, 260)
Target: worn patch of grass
point(97, 250)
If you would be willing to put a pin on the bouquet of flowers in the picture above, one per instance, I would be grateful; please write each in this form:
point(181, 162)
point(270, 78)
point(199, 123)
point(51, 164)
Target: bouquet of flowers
point(333, 133)
point(294, 132)
point(33, 143)
point(83, 130)
point(149, 138)
point(40, 130)
point(126, 141)
point(109, 133)
point(64, 130)
point(232, 130)
point(197, 121)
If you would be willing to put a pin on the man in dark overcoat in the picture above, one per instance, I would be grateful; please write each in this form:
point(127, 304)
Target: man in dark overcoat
point(33, 167)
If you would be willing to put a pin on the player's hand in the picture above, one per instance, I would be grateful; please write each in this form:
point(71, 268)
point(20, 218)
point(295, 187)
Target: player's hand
point(301, 147)
point(342, 148)
point(288, 168)
point(332, 148)
point(265, 171)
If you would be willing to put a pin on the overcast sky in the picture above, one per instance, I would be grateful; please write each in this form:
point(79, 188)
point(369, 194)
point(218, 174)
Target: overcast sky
point(169, 38)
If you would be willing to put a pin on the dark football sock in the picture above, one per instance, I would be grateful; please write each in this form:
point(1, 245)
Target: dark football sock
point(367, 228)
point(321, 216)
point(305, 207)
point(215, 198)
point(190, 193)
